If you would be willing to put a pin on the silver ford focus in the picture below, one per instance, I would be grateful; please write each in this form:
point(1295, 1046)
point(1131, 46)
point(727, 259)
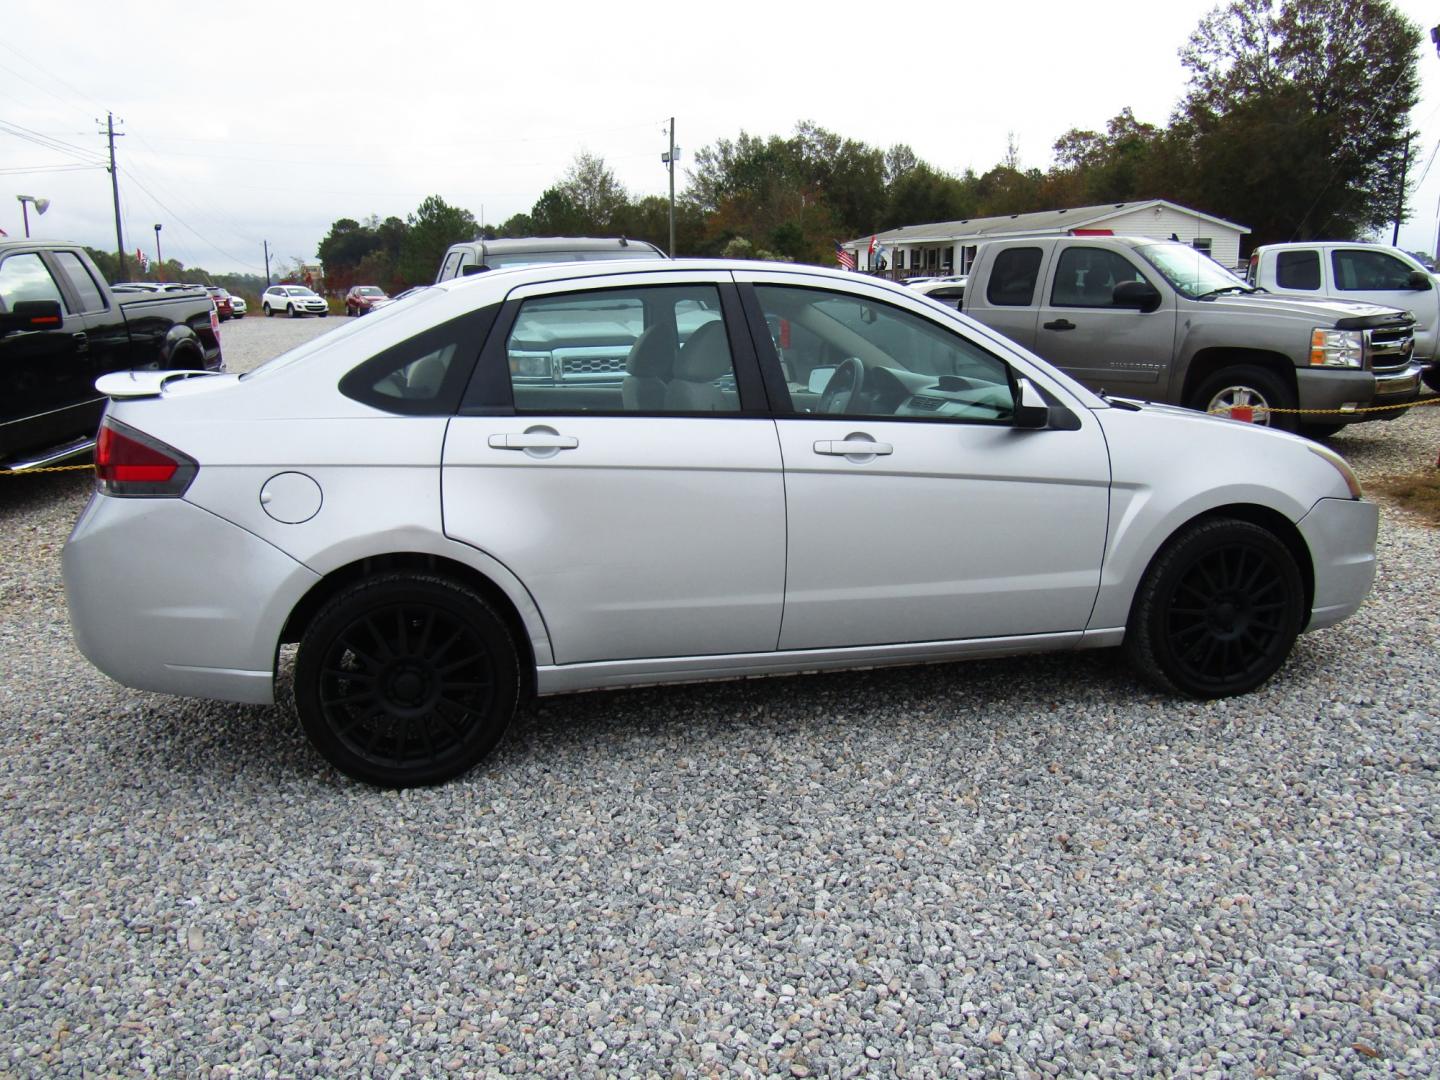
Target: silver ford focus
point(594, 475)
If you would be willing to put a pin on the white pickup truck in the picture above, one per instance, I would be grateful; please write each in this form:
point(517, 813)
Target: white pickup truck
point(1375, 273)
point(1160, 321)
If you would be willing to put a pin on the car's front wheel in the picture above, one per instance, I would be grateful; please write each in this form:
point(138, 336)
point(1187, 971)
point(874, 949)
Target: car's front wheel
point(1217, 611)
point(1250, 393)
point(292, 311)
point(406, 679)
point(268, 313)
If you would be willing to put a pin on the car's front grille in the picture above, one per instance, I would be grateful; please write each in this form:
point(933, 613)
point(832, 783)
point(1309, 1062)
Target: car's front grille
point(1389, 347)
point(592, 362)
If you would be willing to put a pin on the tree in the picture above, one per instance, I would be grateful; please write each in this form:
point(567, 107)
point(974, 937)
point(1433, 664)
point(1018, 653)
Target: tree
point(593, 193)
point(1297, 116)
point(433, 227)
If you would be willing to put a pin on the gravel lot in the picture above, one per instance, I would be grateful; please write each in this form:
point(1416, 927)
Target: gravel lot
point(1027, 867)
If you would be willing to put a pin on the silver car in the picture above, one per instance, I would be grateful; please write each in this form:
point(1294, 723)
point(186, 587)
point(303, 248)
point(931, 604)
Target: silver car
point(797, 470)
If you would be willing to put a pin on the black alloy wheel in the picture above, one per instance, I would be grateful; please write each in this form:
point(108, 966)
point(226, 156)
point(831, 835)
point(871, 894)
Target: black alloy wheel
point(1218, 610)
point(404, 680)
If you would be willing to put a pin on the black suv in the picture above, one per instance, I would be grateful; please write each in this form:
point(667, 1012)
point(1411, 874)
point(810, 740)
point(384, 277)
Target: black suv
point(477, 256)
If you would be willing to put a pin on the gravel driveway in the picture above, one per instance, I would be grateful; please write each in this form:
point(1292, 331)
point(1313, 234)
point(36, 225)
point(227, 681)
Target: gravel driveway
point(1026, 867)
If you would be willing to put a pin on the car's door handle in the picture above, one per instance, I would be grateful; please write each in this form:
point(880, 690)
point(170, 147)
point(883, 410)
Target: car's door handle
point(82, 343)
point(533, 441)
point(1060, 324)
point(852, 447)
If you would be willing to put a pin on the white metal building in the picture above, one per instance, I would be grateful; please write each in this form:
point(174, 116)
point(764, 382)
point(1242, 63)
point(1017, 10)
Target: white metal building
point(948, 247)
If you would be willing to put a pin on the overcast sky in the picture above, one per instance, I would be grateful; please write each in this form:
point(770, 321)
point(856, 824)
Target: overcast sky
point(251, 123)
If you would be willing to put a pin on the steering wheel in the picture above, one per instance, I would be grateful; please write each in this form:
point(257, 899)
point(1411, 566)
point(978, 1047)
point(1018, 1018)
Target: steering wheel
point(843, 387)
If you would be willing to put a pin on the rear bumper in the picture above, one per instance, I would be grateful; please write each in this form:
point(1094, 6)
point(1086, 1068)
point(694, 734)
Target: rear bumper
point(1340, 534)
point(149, 613)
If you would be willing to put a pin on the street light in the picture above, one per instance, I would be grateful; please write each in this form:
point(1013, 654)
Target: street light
point(41, 205)
point(159, 262)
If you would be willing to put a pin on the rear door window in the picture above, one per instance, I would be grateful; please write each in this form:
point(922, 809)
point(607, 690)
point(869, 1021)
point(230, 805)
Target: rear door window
point(1298, 270)
point(1013, 277)
point(91, 299)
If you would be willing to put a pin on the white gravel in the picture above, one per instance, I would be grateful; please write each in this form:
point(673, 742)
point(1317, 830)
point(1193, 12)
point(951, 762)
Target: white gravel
point(1029, 867)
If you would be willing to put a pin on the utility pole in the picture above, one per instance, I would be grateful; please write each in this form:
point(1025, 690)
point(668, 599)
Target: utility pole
point(159, 259)
point(115, 190)
point(267, 262)
point(1400, 198)
point(669, 158)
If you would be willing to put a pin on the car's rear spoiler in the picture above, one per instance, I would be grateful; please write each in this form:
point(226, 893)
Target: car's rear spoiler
point(143, 384)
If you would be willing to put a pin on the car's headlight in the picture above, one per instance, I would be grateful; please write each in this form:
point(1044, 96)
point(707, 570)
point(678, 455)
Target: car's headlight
point(1337, 348)
point(534, 367)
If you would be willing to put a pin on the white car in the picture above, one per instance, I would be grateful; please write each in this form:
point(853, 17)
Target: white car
point(238, 307)
point(793, 469)
point(293, 300)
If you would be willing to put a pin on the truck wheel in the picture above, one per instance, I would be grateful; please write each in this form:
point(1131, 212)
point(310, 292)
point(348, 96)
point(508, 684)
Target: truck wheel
point(1231, 390)
point(1217, 611)
point(406, 679)
point(1431, 376)
point(268, 313)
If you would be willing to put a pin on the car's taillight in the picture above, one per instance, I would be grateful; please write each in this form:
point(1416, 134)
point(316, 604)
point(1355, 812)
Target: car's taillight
point(129, 463)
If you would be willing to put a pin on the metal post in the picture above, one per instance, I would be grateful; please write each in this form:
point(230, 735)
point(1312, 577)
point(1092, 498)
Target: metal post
point(267, 262)
point(25, 213)
point(672, 186)
point(115, 190)
point(159, 259)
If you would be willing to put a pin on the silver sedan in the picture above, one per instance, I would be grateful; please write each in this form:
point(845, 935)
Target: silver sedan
point(593, 475)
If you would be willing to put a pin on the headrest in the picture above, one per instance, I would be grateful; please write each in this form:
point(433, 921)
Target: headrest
point(653, 354)
point(705, 356)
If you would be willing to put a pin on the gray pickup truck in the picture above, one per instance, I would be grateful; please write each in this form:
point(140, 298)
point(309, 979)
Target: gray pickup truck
point(62, 327)
point(1160, 321)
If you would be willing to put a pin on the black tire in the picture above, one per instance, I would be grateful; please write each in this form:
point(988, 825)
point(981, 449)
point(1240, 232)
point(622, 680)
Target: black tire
point(268, 313)
point(1431, 377)
point(1246, 383)
point(292, 311)
point(404, 680)
point(1218, 610)
point(324, 314)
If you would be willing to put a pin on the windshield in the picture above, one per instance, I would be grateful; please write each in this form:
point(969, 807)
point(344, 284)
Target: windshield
point(531, 258)
point(300, 292)
point(369, 290)
point(1192, 273)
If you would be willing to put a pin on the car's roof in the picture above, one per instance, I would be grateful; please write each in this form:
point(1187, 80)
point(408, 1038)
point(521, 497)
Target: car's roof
point(559, 243)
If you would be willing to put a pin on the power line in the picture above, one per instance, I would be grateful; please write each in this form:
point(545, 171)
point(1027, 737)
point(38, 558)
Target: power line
point(58, 146)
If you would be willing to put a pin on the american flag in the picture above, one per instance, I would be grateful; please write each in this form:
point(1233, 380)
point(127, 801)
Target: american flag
point(843, 257)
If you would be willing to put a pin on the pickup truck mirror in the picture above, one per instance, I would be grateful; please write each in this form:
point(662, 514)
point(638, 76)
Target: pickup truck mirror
point(33, 315)
point(1140, 295)
point(1419, 281)
point(470, 269)
point(1031, 409)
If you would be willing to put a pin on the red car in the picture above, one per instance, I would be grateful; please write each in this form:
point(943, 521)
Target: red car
point(365, 298)
point(223, 307)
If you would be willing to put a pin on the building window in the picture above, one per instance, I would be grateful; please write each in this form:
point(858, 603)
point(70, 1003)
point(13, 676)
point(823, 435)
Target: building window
point(1201, 244)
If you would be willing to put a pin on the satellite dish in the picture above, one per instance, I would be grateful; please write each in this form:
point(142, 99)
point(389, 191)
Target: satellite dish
point(41, 205)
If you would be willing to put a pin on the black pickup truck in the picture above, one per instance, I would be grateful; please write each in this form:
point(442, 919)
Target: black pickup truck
point(62, 327)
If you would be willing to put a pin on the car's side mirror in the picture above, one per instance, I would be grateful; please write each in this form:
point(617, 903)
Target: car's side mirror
point(1140, 295)
point(1032, 411)
point(1420, 281)
point(33, 315)
point(819, 379)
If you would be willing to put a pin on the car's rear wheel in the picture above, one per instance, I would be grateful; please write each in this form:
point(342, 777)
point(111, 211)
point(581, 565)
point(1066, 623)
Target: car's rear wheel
point(1247, 392)
point(403, 680)
point(1217, 611)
